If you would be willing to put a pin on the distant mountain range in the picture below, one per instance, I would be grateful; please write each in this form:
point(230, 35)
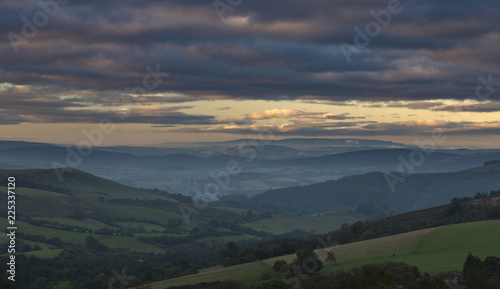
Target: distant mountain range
point(264, 165)
point(294, 143)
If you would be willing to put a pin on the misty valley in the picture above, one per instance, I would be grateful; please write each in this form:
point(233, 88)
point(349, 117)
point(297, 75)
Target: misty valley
point(231, 215)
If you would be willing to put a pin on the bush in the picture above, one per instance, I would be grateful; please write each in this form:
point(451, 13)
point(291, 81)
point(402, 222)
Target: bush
point(428, 282)
point(278, 264)
point(308, 260)
point(272, 284)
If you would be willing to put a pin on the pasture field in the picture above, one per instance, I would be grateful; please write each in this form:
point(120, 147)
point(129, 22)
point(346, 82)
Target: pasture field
point(434, 250)
point(45, 253)
point(321, 223)
point(86, 223)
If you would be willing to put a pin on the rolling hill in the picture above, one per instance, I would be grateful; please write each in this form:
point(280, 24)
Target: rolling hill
point(416, 191)
point(82, 204)
point(436, 250)
point(264, 165)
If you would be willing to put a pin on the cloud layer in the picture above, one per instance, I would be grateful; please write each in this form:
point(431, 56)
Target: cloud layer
point(150, 61)
point(258, 50)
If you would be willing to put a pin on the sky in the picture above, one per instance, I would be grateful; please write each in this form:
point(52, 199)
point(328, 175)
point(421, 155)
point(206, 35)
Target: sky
point(192, 70)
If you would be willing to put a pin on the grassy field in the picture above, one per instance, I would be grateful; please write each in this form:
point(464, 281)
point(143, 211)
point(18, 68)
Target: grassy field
point(87, 223)
point(79, 238)
point(244, 273)
point(44, 253)
point(452, 244)
point(226, 239)
point(82, 185)
point(130, 243)
point(146, 226)
point(73, 237)
point(321, 223)
point(434, 250)
point(444, 249)
point(142, 212)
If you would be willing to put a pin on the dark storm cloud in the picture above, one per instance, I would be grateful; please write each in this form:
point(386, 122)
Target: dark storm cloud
point(17, 109)
point(261, 50)
point(164, 117)
point(470, 107)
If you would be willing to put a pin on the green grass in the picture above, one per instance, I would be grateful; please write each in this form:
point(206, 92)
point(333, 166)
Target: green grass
point(451, 245)
point(355, 254)
point(44, 253)
point(232, 210)
point(227, 239)
point(338, 211)
point(42, 245)
point(149, 235)
point(245, 273)
point(79, 238)
point(320, 223)
point(435, 250)
point(87, 223)
point(143, 213)
point(82, 185)
point(129, 243)
point(29, 192)
point(67, 236)
point(136, 225)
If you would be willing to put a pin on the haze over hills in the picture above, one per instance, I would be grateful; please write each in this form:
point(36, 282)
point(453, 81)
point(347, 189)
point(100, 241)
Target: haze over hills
point(86, 219)
point(90, 219)
point(294, 143)
point(263, 165)
point(413, 192)
point(188, 136)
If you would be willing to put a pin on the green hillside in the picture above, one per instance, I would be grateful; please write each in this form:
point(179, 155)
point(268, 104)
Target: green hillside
point(78, 183)
point(100, 220)
point(435, 250)
point(90, 219)
point(82, 205)
point(123, 217)
point(321, 223)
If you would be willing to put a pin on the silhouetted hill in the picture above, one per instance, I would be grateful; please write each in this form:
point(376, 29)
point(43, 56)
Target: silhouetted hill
point(5, 144)
point(275, 164)
point(414, 192)
point(390, 159)
point(46, 155)
point(297, 143)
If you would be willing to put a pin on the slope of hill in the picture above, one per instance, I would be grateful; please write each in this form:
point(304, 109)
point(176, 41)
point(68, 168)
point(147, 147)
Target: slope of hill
point(98, 219)
point(91, 216)
point(72, 205)
point(82, 204)
point(423, 248)
point(414, 192)
point(18, 144)
point(273, 164)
